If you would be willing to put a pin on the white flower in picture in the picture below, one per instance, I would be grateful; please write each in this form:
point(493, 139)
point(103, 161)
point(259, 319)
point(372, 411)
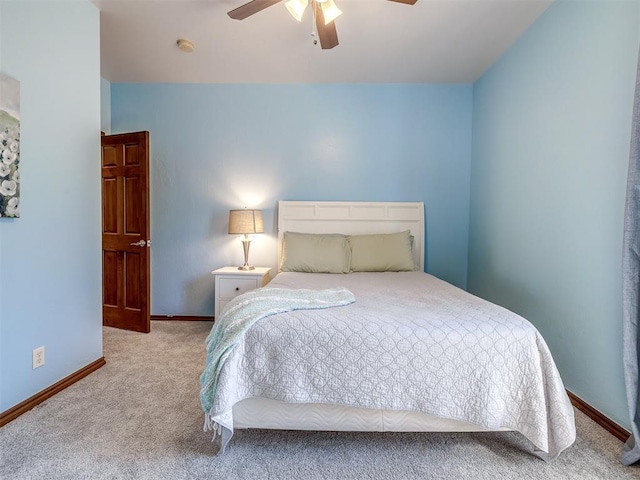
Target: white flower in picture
point(9, 157)
point(13, 206)
point(9, 146)
point(8, 188)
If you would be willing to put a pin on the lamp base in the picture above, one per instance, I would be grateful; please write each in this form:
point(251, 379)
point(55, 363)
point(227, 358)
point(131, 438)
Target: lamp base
point(245, 246)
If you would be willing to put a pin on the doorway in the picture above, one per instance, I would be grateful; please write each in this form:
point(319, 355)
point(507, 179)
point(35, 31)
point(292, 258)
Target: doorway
point(125, 232)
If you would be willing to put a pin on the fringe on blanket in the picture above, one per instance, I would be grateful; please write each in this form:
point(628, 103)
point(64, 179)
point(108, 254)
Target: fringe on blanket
point(210, 425)
point(221, 433)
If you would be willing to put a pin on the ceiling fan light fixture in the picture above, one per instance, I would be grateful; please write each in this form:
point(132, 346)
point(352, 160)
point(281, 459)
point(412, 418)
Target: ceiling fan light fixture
point(296, 8)
point(330, 11)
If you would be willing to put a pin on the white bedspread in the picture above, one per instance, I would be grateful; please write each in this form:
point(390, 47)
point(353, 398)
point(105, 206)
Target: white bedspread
point(409, 342)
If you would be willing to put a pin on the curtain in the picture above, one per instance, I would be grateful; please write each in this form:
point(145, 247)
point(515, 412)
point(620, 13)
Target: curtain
point(631, 285)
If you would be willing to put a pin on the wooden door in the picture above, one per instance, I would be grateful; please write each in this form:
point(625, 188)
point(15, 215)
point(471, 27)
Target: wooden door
point(125, 231)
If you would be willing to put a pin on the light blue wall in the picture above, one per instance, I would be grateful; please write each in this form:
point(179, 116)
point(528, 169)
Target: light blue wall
point(216, 147)
point(105, 106)
point(50, 266)
point(551, 132)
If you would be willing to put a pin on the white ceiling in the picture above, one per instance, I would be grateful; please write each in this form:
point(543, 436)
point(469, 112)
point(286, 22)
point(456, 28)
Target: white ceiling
point(433, 41)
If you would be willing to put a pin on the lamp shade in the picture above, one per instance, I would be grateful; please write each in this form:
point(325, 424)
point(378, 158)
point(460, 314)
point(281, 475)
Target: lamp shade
point(296, 8)
point(245, 221)
point(330, 11)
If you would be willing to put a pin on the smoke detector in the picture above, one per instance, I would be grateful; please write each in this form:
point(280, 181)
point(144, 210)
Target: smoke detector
point(185, 45)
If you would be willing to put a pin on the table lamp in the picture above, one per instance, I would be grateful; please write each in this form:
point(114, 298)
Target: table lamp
point(245, 222)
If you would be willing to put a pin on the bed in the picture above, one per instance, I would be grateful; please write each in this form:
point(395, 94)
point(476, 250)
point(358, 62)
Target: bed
point(411, 353)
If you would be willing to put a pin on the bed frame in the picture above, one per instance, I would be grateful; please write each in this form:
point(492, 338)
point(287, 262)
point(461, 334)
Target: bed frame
point(354, 218)
point(349, 218)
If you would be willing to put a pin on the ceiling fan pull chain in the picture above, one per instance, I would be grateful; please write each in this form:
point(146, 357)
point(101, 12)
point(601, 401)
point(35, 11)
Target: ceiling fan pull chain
point(314, 34)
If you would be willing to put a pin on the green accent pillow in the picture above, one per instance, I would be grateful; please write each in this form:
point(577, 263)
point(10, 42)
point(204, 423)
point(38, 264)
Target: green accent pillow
point(315, 253)
point(384, 252)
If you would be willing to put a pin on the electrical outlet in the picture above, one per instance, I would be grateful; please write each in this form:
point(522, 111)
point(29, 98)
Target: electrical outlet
point(38, 357)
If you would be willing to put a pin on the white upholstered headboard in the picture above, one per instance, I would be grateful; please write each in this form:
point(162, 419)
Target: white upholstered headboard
point(353, 218)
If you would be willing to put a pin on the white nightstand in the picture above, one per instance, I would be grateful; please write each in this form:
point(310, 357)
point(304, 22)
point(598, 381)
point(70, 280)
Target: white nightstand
point(231, 282)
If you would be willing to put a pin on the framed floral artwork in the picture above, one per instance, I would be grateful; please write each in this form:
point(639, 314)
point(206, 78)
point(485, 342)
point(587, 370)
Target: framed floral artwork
point(9, 146)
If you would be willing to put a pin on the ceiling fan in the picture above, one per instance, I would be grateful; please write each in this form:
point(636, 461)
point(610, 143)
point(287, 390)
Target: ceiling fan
point(324, 13)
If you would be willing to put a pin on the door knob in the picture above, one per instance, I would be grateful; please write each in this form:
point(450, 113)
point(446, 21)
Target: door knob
point(141, 243)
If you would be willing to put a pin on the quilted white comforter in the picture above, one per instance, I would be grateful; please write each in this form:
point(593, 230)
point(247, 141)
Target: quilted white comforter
point(409, 342)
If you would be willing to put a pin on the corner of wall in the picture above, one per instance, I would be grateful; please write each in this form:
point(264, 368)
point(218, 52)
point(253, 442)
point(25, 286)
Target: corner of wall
point(105, 106)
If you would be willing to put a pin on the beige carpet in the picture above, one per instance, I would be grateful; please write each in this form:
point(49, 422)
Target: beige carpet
point(139, 417)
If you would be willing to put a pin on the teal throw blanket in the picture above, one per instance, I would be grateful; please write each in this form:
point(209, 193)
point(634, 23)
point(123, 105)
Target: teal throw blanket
point(245, 310)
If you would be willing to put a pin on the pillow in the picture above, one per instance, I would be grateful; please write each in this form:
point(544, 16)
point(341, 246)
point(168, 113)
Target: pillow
point(384, 252)
point(315, 253)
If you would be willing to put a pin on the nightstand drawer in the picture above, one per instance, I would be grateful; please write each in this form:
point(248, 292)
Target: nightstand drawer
point(232, 287)
point(231, 282)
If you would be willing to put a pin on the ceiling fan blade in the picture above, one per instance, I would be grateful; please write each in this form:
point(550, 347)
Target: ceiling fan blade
point(250, 8)
point(326, 33)
point(408, 2)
